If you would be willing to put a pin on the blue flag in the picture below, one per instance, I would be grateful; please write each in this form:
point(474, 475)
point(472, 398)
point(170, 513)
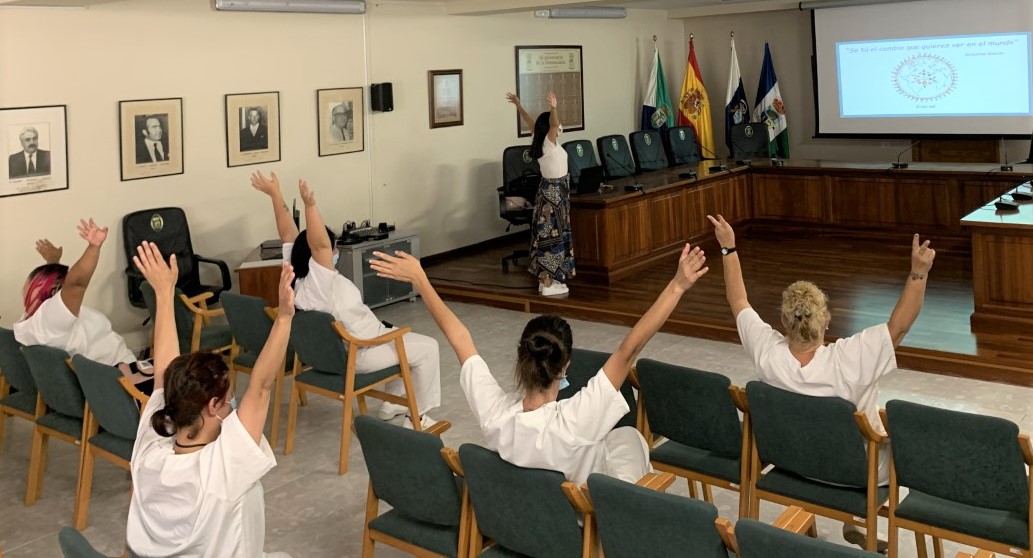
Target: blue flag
point(737, 109)
point(657, 113)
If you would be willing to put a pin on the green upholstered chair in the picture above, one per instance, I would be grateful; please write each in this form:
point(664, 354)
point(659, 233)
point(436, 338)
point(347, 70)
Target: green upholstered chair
point(74, 545)
point(194, 326)
point(580, 155)
point(250, 322)
point(697, 412)
point(825, 456)
point(584, 365)
point(760, 540)
point(681, 146)
point(111, 426)
point(17, 388)
point(526, 512)
point(647, 146)
point(329, 351)
point(615, 156)
point(430, 509)
point(635, 521)
point(966, 478)
point(61, 408)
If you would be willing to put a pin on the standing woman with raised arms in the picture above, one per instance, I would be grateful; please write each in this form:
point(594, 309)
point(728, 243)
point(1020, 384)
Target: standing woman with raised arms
point(552, 245)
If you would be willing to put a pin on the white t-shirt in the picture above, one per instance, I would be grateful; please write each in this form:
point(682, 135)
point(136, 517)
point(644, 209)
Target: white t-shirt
point(326, 290)
point(849, 368)
point(89, 334)
point(553, 161)
point(565, 436)
point(208, 503)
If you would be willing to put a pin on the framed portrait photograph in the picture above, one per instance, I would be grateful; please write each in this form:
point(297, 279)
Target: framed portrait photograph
point(540, 69)
point(252, 128)
point(340, 120)
point(35, 147)
point(445, 89)
point(151, 137)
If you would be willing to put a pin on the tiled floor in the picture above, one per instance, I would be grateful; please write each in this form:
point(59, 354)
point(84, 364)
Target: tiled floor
point(311, 511)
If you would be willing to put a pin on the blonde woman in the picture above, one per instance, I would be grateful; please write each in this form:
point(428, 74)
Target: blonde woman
point(798, 360)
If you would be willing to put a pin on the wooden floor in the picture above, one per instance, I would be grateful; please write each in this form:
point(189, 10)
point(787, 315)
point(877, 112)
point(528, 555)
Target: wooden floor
point(862, 277)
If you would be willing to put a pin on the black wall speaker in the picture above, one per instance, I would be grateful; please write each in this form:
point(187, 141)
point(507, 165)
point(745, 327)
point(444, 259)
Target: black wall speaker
point(381, 97)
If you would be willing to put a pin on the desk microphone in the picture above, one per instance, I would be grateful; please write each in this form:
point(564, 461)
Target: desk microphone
point(636, 187)
point(1006, 166)
point(898, 164)
point(713, 168)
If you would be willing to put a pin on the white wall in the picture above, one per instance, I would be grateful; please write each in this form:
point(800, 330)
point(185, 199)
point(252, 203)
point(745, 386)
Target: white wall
point(438, 182)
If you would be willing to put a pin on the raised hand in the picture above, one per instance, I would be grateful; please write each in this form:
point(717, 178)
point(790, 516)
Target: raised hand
point(285, 291)
point(161, 275)
point(723, 231)
point(551, 99)
point(513, 99)
point(52, 254)
point(91, 233)
point(268, 186)
point(307, 195)
point(400, 267)
point(922, 256)
point(690, 267)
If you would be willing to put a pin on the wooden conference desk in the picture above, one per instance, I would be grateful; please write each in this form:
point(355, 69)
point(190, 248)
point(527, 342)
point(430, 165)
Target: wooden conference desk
point(618, 232)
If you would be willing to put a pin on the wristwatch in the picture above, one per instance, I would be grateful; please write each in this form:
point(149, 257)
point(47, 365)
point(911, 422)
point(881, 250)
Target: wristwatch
point(726, 251)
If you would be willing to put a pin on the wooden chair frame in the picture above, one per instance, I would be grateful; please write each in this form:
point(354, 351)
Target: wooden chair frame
point(870, 522)
point(354, 344)
point(371, 537)
point(978, 554)
point(5, 411)
point(38, 457)
point(939, 533)
point(794, 519)
point(202, 317)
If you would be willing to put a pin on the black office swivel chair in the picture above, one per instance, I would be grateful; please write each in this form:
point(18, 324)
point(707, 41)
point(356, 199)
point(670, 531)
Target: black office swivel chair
point(580, 155)
point(750, 141)
point(167, 227)
point(648, 148)
point(521, 177)
point(615, 156)
point(681, 146)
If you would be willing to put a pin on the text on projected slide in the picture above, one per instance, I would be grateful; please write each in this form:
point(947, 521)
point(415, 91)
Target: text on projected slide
point(969, 75)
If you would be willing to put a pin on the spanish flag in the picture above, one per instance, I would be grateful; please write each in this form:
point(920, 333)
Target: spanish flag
point(694, 106)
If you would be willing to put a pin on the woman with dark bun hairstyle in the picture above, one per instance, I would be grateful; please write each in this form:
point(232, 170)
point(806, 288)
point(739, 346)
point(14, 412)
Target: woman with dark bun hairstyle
point(529, 427)
point(198, 459)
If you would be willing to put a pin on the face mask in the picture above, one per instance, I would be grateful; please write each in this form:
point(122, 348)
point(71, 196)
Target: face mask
point(564, 383)
point(337, 256)
point(233, 403)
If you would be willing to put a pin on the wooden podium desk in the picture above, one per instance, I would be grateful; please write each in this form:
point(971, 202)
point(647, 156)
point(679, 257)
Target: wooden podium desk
point(258, 277)
point(1002, 266)
point(618, 232)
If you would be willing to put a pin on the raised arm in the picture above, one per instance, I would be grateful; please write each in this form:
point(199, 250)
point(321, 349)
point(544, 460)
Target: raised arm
point(690, 268)
point(162, 277)
point(910, 303)
point(79, 275)
point(735, 288)
point(520, 110)
point(50, 253)
point(318, 240)
point(554, 116)
point(254, 406)
point(404, 267)
point(285, 226)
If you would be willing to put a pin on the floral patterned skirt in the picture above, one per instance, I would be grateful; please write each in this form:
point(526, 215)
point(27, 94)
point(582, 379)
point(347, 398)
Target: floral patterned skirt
point(552, 248)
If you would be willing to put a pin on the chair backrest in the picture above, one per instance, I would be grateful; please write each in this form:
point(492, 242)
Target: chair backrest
point(408, 471)
point(648, 148)
point(115, 410)
point(750, 140)
point(167, 227)
point(523, 510)
point(691, 407)
point(615, 156)
point(760, 540)
point(961, 457)
point(74, 544)
point(815, 437)
point(248, 321)
point(55, 381)
point(518, 161)
point(184, 317)
point(640, 522)
point(681, 145)
point(584, 365)
point(316, 342)
point(580, 155)
point(13, 365)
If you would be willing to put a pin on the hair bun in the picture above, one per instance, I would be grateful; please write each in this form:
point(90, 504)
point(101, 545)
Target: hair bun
point(541, 346)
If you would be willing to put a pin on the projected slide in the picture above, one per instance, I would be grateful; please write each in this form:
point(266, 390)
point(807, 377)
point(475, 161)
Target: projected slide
point(964, 75)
